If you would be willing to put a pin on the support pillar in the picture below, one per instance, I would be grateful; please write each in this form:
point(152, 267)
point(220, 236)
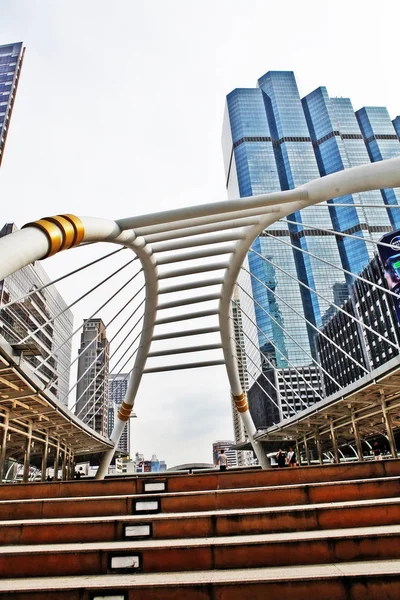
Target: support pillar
point(243, 410)
point(56, 459)
point(298, 456)
point(334, 443)
point(319, 446)
point(44, 457)
point(27, 457)
point(69, 474)
point(306, 450)
point(4, 445)
point(64, 464)
point(388, 424)
point(357, 435)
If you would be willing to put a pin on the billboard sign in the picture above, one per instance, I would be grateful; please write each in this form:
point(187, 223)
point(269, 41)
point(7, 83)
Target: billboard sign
point(390, 257)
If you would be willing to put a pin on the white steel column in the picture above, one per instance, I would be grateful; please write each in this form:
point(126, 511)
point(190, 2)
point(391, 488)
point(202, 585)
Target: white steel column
point(44, 457)
point(151, 279)
point(4, 437)
point(27, 456)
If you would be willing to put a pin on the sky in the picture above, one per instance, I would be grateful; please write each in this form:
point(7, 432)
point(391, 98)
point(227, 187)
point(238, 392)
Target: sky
point(119, 112)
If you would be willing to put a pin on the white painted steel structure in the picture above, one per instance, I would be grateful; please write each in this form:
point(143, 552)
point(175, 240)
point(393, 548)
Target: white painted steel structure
point(225, 229)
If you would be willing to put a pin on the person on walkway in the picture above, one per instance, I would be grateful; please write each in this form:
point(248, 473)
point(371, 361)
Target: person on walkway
point(222, 460)
point(291, 458)
point(281, 458)
point(377, 451)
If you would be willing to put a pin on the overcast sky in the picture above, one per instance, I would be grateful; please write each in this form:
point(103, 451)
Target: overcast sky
point(119, 112)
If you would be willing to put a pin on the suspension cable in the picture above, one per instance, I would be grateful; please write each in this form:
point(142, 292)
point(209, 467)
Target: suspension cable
point(99, 386)
point(266, 378)
point(275, 370)
point(291, 337)
point(52, 319)
point(54, 281)
point(330, 302)
point(264, 391)
point(91, 317)
point(102, 369)
point(320, 332)
point(342, 269)
point(97, 337)
point(291, 366)
point(102, 352)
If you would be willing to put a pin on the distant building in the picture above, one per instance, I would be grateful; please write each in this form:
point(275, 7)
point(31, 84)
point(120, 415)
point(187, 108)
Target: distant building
point(149, 466)
point(278, 393)
point(41, 320)
point(92, 389)
point(244, 457)
point(371, 307)
point(118, 385)
point(11, 57)
point(225, 445)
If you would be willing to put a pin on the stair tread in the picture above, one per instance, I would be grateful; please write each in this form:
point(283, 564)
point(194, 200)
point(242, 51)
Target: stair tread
point(272, 538)
point(204, 513)
point(155, 495)
point(376, 568)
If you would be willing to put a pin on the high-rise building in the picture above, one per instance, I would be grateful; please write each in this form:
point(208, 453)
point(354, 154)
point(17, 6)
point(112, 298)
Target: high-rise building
point(11, 57)
point(272, 140)
point(92, 387)
point(225, 445)
point(38, 323)
point(382, 142)
point(118, 384)
point(372, 308)
point(245, 354)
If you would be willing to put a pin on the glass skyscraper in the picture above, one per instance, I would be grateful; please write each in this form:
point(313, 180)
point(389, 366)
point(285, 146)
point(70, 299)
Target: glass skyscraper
point(11, 57)
point(117, 388)
point(274, 140)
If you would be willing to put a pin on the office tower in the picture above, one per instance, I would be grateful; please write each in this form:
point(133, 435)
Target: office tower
point(372, 308)
point(11, 57)
point(226, 446)
point(382, 142)
point(118, 384)
point(92, 387)
point(41, 321)
point(272, 140)
point(244, 457)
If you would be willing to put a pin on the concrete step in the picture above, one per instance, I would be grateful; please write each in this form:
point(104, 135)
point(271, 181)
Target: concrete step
point(372, 580)
point(288, 495)
point(203, 524)
point(225, 552)
point(232, 479)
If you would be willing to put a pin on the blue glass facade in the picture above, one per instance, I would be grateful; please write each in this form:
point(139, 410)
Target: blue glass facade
point(277, 142)
point(382, 142)
point(396, 125)
point(11, 57)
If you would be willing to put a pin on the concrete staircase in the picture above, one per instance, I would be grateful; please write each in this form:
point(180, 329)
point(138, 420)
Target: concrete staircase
point(331, 530)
